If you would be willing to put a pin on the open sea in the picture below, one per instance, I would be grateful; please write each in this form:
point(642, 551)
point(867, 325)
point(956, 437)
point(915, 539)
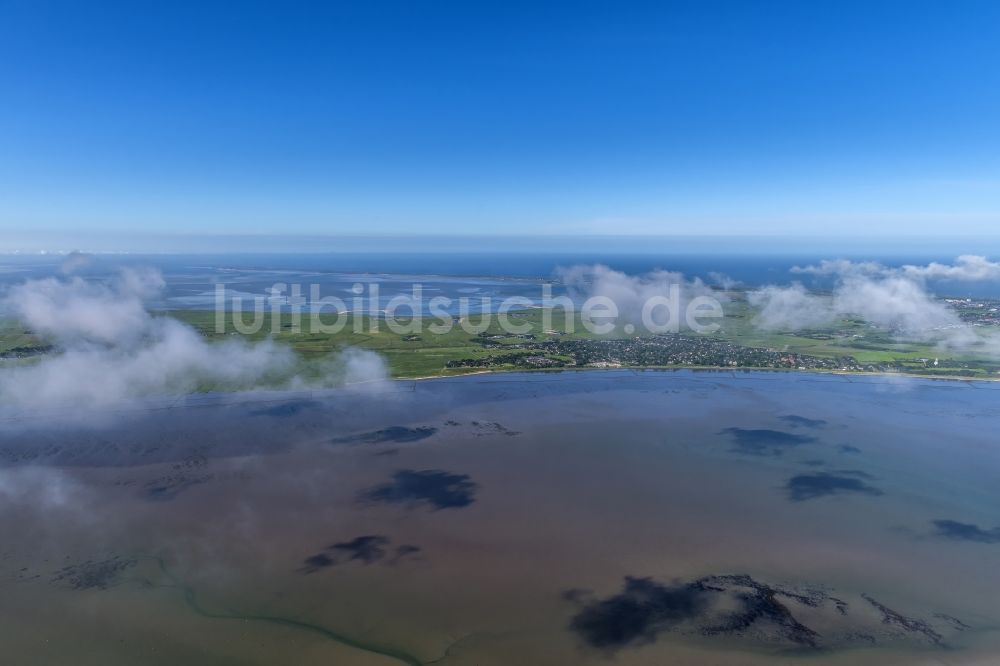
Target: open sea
point(484, 279)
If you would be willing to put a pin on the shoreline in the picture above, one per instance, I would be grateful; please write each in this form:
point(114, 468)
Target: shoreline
point(279, 395)
point(700, 368)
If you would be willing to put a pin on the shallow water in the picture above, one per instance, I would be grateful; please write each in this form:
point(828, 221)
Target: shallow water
point(599, 517)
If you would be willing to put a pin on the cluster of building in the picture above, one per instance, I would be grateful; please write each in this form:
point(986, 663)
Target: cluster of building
point(976, 311)
point(654, 351)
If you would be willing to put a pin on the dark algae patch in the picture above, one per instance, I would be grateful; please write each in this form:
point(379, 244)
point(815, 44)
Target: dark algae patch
point(642, 610)
point(365, 550)
point(404, 552)
point(492, 428)
point(728, 605)
point(93, 574)
point(802, 422)
point(314, 563)
point(287, 409)
point(760, 604)
point(956, 531)
point(435, 488)
point(906, 624)
point(394, 434)
point(186, 474)
point(763, 441)
point(805, 487)
point(743, 610)
point(169, 487)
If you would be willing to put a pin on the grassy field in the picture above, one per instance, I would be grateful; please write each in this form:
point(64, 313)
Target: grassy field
point(427, 354)
point(845, 338)
point(409, 355)
point(13, 337)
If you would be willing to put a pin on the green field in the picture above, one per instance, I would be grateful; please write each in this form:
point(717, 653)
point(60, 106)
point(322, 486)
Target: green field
point(428, 354)
point(423, 357)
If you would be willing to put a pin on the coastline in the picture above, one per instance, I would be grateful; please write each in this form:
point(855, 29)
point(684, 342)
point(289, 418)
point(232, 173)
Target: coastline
point(704, 368)
point(279, 395)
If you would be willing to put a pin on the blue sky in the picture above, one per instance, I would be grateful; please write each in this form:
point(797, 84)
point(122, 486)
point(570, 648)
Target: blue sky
point(806, 118)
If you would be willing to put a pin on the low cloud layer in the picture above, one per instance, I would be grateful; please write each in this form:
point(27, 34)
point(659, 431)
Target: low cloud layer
point(631, 293)
point(111, 348)
point(790, 307)
point(893, 299)
point(967, 268)
point(40, 488)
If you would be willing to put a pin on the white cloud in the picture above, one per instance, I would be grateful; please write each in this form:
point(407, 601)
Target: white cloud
point(41, 489)
point(841, 267)
point(723, 281)
point(967, 268)
point(111, 349)
point(76, 262)
point(359, 366)
point(894, 299)
point(631, 292)
point(894, 303)
point(789, 308)
point(74, 311)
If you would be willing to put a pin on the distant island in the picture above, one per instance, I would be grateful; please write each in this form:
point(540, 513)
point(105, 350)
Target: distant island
point(845, 346)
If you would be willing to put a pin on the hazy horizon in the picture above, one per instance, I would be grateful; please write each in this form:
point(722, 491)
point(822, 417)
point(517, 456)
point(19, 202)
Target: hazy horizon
point(828, 245)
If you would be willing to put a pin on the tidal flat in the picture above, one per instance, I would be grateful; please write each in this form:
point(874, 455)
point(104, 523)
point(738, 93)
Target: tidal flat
point(607, 517)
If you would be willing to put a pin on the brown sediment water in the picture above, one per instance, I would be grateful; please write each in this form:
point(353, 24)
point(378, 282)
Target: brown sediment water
point(621, 517)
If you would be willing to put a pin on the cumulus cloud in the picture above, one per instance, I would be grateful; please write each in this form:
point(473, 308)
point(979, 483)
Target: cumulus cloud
point(39, 487)
point(841, 267)
point(358, 368)
point(894, 303)
point(76, 312)
point(722, 280)
point(76, 262)
point(789, 308)
point(111, 348)
point(631, 293)
point(49, 503)
point(967, 268)
point(894, 299)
